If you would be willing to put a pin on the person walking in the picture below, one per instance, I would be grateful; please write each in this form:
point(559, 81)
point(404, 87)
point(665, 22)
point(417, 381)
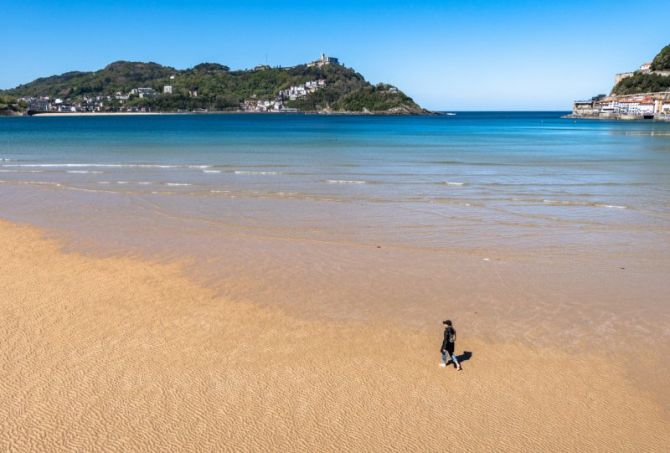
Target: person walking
point(448, 345)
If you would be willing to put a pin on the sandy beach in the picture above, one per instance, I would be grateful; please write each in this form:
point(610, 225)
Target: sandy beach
point(125, 354)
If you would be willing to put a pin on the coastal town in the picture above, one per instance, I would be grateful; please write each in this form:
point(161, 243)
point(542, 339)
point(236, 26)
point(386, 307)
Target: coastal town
point(120, 101)
point(636, 106)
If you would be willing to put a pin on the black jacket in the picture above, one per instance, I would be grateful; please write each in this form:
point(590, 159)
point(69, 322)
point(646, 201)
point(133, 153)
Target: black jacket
point(449, 333)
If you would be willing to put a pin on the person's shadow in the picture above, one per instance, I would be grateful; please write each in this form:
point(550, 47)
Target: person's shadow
point(467, 355)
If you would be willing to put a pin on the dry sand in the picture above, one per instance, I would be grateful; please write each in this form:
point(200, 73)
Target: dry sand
point(121, 354)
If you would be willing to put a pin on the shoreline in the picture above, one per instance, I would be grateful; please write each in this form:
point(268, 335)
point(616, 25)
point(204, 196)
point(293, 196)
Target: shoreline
point(240, 112)
point(137, 344)
point(616, 118)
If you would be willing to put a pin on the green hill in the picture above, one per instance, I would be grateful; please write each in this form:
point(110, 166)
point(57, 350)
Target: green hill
point(215, 87)
point(642, 82)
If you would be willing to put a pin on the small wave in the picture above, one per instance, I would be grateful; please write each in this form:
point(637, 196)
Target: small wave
point(91, 165)
point(122, 182)
point(177, 184)
point(583, 203)
point(103, 182)
point(144, 183)
point(20, 171)
point(211, 171)
point(253, 172)
point(345, 181)
point(454, 183)
point(83, 189)
point(199, 166)
point(93, 172)
point(44, 183)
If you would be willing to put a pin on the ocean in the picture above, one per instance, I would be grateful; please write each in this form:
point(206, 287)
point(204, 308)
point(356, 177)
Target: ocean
point(492, 216)
point(421, 181)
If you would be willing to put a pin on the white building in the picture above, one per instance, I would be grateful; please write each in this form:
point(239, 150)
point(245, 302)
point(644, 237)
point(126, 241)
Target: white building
point(167, 89)
point(143, 92)
point(324, 60)
point(297, 91)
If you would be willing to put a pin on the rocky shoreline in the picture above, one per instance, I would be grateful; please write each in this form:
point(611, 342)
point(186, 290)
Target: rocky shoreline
point(617, 117)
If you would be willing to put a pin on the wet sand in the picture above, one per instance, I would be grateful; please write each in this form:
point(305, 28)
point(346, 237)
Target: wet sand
point(127, 354)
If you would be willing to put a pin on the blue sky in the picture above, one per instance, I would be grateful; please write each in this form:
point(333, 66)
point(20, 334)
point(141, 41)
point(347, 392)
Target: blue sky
point(452, 55)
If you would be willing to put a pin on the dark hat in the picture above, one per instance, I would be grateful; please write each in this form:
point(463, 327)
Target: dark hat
point(447, 322)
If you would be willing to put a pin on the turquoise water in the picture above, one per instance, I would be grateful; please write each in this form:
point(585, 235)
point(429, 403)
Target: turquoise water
point(433, 181)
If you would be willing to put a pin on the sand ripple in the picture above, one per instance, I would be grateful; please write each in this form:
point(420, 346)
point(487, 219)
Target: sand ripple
point(122, 355)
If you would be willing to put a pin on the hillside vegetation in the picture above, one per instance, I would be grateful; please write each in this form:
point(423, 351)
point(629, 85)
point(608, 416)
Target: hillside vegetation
point(10, 106)
point(647, 83)
point(218, 88)
point(642, 83)
point(662, 61)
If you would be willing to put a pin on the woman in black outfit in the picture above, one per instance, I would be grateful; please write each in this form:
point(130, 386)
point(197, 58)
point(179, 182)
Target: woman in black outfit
point(448, 345)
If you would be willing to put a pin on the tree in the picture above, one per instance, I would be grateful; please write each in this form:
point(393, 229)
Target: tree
point(662, 60)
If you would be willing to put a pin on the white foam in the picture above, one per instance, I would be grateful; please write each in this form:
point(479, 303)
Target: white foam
point(144, 183)
point(83, 189)
point(177, 184)
point(344, 181)
point(199, 166)
point(211, 171)
point(454, 183)
point(252, 172)
point(43, 183)
point(583, 203)
point(93, 172)
point(90, 165)
point(103, 182)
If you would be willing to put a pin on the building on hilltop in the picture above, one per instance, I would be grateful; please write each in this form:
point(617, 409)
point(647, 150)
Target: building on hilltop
point(645, 68)
point(323, 61)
